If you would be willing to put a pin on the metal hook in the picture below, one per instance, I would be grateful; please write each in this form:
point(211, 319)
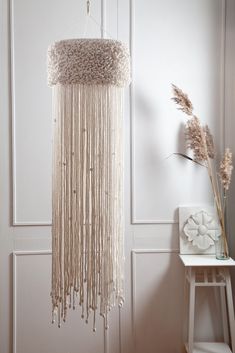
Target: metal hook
point(88, 7)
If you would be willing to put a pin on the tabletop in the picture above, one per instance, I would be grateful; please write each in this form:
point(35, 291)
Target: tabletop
point(205, 260)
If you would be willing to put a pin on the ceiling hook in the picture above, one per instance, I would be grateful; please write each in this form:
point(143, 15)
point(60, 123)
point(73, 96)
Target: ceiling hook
point(88, 7)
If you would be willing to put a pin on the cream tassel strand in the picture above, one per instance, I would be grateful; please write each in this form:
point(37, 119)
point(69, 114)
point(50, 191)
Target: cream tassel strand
point(87, 232)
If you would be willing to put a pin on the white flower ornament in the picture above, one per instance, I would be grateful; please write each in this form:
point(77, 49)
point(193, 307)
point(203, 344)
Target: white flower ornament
point(202, 230)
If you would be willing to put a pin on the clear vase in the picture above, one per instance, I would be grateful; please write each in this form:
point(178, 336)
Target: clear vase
point(221, 248)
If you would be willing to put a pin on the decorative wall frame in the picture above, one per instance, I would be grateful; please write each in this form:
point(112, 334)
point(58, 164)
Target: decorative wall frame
point(198, 230)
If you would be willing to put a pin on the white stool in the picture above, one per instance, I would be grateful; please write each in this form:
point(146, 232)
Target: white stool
point(207, 271)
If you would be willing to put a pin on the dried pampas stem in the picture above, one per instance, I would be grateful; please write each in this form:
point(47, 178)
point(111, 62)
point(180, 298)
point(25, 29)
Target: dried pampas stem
point(226, 168)
point(200, 141)
point(182, 100)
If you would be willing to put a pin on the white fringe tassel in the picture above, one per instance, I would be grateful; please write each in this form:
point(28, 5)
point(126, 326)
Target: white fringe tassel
point(87, 230)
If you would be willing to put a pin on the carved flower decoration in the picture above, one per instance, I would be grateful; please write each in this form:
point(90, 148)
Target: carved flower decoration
point(202, 230)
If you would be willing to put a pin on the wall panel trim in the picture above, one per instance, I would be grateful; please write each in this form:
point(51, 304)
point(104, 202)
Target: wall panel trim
point(14, 220)
point(134, 219)
point(15, 255)
point(134, 253)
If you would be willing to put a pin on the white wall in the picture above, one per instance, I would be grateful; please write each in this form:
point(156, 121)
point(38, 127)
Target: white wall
point(230, 121)
point(171, 42)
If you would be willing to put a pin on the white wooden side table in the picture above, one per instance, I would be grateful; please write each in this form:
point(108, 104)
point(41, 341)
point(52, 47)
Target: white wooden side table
point(207, 271)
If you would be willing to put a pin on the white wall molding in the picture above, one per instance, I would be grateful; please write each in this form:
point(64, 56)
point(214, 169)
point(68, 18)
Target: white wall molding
point(134, 254)
point(15, 221)
point(229, 115)
point(134, 218)
point(222, 74)
point(16, 254)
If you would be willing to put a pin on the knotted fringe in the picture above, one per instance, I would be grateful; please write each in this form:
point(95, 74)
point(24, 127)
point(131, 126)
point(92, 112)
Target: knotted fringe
point(87, 220)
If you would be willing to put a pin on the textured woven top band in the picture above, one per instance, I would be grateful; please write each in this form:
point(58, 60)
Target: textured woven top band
point(88, 61)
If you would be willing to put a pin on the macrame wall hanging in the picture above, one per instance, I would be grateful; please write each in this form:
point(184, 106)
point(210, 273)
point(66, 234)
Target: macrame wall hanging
point(87, 77)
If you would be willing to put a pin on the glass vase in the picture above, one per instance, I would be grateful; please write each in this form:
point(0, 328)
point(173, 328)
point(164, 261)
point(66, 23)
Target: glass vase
point(221, 248)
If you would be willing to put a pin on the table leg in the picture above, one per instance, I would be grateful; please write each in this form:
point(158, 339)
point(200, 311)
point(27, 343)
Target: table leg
point(224, 314)
point(230, 308)
point(191, 310)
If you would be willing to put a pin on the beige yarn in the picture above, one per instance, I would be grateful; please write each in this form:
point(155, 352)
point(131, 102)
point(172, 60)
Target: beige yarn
point(87, 205)
point(89, 61)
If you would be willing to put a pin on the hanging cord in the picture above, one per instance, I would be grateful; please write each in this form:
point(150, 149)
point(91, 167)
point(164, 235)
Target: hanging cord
point(101, 27)
point(84, 28)
point(89, 15)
